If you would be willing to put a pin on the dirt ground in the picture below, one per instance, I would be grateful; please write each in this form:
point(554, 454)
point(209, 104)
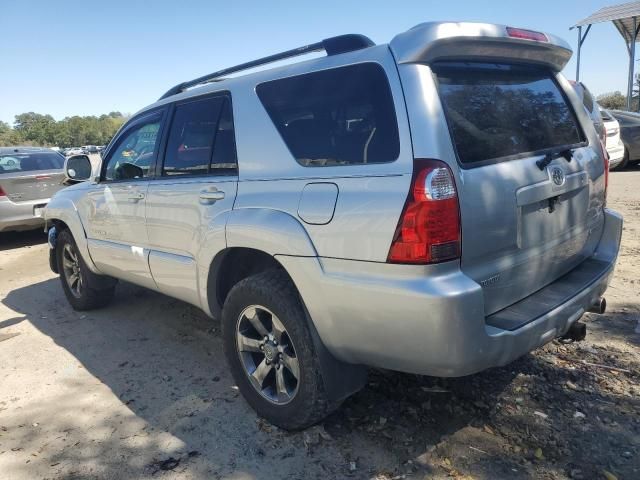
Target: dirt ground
point(140, 390)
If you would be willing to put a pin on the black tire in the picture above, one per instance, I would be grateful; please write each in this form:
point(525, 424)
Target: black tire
point(95, 291)
point(273, 290)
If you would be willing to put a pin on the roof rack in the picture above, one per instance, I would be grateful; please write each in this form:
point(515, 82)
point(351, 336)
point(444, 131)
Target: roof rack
point(333, 46)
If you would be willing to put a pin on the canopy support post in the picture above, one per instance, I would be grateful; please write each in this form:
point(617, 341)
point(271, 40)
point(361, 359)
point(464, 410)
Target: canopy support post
point(578, 57)
point(581, 40)
point(632, 58)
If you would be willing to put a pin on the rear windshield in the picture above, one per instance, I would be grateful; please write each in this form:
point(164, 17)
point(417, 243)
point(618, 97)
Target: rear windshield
point(496, 112)
point(30, 162)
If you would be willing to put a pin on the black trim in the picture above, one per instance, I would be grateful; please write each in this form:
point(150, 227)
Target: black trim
point(554, 295)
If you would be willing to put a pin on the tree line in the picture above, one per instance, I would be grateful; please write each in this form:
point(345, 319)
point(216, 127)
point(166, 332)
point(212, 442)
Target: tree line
point(615, 101)
point(43, 130)
point(618, 101)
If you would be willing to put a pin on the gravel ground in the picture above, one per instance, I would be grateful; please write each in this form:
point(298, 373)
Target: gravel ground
point(140, 390)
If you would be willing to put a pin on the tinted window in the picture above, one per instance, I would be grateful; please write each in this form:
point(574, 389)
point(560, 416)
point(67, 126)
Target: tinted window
point(343, 116)
point(497, 111)
point(224, 158)
point(135, 152)
point(587, 99)
point(29, 162)
point(201, 138)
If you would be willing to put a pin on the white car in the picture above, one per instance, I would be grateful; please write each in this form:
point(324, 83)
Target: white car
point(613, 142)
point(74, 151)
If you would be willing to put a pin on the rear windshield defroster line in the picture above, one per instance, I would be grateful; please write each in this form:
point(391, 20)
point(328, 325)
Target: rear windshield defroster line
point(498, 112)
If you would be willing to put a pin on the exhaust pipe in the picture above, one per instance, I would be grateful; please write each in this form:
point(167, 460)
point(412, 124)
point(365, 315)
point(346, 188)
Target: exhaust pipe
point(576, 333)
point(599, 306)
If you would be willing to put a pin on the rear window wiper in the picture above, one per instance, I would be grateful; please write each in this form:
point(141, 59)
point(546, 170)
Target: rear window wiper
point(544, 162)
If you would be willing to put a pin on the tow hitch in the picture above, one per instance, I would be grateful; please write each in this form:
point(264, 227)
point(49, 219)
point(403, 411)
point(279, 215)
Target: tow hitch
point(576, 333)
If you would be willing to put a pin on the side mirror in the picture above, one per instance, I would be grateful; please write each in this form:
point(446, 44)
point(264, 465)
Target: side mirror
point(77, 169)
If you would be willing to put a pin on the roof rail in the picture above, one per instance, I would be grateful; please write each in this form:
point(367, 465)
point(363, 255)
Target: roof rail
point(333, 46)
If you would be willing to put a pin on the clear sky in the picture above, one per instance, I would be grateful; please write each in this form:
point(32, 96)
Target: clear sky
point(84, 57)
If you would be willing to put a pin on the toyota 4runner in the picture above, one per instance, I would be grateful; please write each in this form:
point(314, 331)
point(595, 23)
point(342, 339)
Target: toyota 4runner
point(434, 205)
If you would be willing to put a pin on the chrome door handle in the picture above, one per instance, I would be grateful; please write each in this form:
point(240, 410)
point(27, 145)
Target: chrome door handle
point(136, 196)
point(211, 196)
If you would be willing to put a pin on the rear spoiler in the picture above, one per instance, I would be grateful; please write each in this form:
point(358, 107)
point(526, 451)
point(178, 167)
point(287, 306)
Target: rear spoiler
point(433, 41)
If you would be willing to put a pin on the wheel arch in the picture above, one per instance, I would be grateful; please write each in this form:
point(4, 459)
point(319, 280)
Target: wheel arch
point(236, 263)
point(62, 212)
point(232, 265)
point(260, 232)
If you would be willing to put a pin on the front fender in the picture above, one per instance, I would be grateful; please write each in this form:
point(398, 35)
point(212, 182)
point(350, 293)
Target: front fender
point(63, 209)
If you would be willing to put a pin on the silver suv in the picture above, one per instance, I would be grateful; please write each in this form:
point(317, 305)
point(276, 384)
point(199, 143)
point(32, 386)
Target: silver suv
point(435, 205)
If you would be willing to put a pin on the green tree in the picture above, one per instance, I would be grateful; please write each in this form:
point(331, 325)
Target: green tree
point(613, 101)
point(35, 127)
point(43, 130)
point(8, 136)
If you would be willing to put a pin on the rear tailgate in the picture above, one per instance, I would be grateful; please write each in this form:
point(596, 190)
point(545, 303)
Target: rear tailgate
point(30, 186)
point(524, 223)
point(28, 175)
point(529, 167)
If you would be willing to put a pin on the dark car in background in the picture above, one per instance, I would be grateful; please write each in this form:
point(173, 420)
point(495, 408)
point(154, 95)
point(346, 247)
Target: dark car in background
point(29, 176)
point(630, 134)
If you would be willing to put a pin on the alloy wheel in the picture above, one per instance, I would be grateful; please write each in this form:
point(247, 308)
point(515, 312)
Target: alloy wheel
point(71, 269)
point(267, 354)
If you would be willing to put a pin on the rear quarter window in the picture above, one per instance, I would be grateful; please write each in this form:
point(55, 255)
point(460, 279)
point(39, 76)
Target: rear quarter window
point(587, 99)
point(341, 116)
point(500, 112)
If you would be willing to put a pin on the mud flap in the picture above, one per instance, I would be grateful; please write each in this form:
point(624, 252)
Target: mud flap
point(341, 379)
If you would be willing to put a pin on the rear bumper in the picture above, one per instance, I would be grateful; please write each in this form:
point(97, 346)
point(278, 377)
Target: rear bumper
point(19, 216)
point(430, 320)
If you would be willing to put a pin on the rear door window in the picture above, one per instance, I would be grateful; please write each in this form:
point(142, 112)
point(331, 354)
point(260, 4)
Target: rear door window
point(499, 112)
point(341, 116)
point(201, 139)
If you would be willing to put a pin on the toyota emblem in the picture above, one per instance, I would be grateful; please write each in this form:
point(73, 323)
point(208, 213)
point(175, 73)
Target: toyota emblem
point(557, 176)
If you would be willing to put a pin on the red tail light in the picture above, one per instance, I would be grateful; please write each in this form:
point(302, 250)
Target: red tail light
point(526, 34)
point(2, 194)
point(429, 228)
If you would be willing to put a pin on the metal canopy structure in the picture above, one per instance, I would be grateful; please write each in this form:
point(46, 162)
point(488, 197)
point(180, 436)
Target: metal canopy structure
point(626, 18)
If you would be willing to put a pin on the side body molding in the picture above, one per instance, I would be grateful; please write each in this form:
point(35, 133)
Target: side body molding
point(62, 208)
